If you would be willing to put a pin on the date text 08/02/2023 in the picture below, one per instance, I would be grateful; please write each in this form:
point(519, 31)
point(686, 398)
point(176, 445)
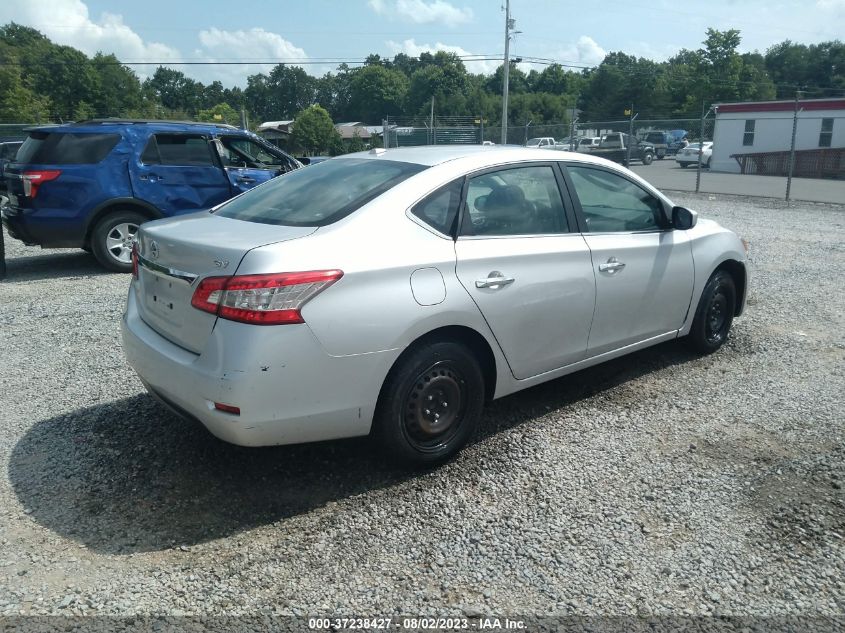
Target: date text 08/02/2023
point(411, 623)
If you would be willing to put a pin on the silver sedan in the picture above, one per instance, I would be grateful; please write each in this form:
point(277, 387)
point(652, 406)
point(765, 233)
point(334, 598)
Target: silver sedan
point(393, 292)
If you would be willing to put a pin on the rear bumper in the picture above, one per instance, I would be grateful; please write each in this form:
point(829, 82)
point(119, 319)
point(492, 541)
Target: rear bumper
point(288, 389)
point(34, 227)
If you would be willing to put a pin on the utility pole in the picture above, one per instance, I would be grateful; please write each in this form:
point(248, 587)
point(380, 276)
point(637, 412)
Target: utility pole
point(433, 134)
point(509, 27)
point(792, 147)
point(704, 114)
point(630, 137)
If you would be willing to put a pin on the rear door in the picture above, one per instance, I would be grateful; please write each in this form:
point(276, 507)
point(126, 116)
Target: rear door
point(528, 273)
point(179, 173)
point(643, 269)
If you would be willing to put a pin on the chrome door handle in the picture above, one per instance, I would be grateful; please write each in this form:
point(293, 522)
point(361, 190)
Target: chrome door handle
point(613, 265)
point(495, 280)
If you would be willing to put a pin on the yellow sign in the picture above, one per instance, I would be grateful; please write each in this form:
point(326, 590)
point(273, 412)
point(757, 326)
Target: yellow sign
point(218, 117)
point(627, 113)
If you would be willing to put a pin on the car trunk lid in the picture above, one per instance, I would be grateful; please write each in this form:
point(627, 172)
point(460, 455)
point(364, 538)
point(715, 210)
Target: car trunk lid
point(176, 254)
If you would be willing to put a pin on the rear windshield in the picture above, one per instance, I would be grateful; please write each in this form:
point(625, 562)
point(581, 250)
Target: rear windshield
point(655, 137)
point(66, 148)
point(319, 194)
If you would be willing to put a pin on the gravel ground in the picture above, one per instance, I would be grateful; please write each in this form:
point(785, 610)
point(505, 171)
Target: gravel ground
point(658, 484)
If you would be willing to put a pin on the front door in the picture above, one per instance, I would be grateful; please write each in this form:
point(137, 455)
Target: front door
point(530, 277)
point(249, 164)
point(643, 269)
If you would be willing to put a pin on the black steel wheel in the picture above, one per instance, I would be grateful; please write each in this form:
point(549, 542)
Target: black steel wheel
point(430, 403)
point(714, 314)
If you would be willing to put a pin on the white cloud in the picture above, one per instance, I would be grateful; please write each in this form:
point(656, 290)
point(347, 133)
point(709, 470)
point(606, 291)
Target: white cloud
point(255, 45)
point(584, 52)
point(410, 47)
point(67, 22)
point(423, 12)
point(835, 5)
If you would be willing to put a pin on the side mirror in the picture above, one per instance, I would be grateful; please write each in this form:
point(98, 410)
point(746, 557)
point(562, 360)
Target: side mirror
point(683, 219)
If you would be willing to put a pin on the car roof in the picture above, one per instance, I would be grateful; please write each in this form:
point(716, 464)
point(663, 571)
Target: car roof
point(431, 155)
point(116, 125)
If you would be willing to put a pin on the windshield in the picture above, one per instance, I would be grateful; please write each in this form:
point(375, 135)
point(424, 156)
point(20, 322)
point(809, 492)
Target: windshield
point(319, 194)
point(533, 142)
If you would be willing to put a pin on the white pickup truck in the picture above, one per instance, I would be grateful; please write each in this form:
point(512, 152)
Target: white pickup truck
point(540, 141)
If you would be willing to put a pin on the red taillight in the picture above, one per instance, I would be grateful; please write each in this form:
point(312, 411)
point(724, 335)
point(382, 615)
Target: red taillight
point(135, 260)
point(227, 408)
point(34, 179)
point(273, 299)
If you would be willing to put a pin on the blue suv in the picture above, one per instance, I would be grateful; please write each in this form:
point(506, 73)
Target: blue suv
point(89, 185)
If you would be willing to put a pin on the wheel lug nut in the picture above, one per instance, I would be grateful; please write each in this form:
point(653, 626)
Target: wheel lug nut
point(431, 397)
point(428, 412)
point(444, 404)
point(436, 416)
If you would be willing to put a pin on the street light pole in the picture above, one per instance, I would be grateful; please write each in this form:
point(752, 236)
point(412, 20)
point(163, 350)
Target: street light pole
point(506, 71)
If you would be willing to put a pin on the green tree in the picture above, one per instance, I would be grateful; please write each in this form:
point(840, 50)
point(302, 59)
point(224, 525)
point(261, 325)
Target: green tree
point(313, 130)
point(220, 113)
point(117, 90)
point(375, 91)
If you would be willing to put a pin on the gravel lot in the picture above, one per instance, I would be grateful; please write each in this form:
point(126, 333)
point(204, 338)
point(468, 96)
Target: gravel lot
point(659, 484)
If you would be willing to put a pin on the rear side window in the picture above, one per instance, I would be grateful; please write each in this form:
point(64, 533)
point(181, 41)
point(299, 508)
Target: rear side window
point(177, 149)
point(440, 208)
point(66, 148)
point(319, 194)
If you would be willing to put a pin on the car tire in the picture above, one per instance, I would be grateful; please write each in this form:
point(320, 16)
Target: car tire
point(430, 404)
point(112, 237)
point(648, 158)
point(714, 314)
point(707, 164)
point(684, 165)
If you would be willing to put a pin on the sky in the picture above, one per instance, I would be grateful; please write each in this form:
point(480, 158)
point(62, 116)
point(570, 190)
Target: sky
point(252, 36)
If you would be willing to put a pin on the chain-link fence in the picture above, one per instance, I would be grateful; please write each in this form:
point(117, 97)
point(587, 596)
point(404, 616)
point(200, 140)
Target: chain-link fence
point(13, 131)
point(451, 130)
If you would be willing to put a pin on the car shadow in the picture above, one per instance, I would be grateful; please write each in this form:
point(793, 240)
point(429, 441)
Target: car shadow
point(128, 476)
point(52, 265)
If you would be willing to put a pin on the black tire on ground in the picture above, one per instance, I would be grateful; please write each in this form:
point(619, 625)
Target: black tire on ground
point(2, 254)
point(430, 404)
point(707, 164)
point(714, 314)
point(111, 239)
point(684, 165)
point(661, 155)
point(648, 157)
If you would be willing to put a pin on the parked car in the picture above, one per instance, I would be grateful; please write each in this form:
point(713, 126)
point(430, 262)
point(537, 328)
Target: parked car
point(615, 147)
point(8, 150)
point(541, 141)
point(395, 291)
point(588, 143)
point(91, 184)
point(689, 155)
point(665, 142)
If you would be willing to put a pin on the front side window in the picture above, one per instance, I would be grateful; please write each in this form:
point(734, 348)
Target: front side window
point(242, 152)
point(748, 135)
point(320, 194)
point(611, 203)
point(186, 150)
point(440, 208)
point(518, 201)
point(826, 135)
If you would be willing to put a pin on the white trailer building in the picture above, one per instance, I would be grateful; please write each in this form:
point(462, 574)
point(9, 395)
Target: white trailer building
point(766, 126)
